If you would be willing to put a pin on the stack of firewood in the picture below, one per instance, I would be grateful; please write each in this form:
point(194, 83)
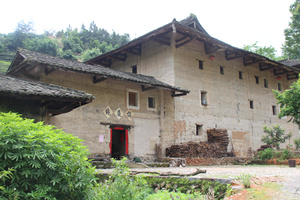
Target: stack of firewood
point(196, 150)
point(219, 136)
point(216, 147)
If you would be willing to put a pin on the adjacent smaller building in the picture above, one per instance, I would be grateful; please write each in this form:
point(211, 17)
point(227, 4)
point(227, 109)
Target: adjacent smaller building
point(38, 100)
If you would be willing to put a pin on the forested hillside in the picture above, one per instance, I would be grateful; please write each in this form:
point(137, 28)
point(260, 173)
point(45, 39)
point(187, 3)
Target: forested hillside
point(72, 44)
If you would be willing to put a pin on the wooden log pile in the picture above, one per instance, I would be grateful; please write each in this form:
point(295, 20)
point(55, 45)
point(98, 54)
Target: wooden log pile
point(216, 147)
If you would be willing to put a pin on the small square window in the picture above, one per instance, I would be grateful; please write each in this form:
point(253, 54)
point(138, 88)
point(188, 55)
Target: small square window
point(274, 110)
point(200, 64)
point(133, 99)
point(151, 102)
point(256, 79)
point(221, 70)
point(198, 129)
point(240, 75)
point(134, 69)
point(279, 87)
point(204, 98)
point(251, 104)
point(266, 84)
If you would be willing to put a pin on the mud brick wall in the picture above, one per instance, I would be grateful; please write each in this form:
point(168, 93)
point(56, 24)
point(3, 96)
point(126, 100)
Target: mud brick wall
point(216, 147)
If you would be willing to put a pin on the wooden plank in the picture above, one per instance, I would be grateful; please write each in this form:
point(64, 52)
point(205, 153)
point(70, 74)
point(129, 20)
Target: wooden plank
point(144, 88)
point(185, 42)
point(97, 80)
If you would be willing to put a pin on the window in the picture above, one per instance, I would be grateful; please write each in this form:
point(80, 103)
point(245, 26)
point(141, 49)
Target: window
point(134, 69)
point(251, 104)
point(133, 99)
point(198, 129)
point(274, 110)
point(200, 64)
point(256, 79)
point(240, 75)
point(221, 70)
point(266, 84)
point(204, 98)
point(151, 102)
point(279, 87)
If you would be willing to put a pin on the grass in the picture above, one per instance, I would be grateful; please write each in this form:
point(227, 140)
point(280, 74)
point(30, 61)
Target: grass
point(267, 191)
point(4, 66)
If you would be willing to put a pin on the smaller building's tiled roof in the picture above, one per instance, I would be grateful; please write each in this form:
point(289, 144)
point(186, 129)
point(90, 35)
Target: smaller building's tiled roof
point(291, 63)
point(63, 64)
point(11, 86)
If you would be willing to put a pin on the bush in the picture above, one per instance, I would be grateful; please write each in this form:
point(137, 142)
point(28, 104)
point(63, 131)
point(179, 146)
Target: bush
point(275, 135)
point(266, 154)
point(46, 162)
point(122, 186)
point(297, 143)
point(286, 154)
point(246, 178)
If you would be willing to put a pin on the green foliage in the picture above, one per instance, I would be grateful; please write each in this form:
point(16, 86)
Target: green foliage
point(166, 195)
point(4, 66)
point(90, 53)
point(184, 185)
point(266, 154)
point(291, 47)
point(47, 163)
point(289, 102)
point(42, 45)
point(70, 44)
point(286, 154)
point(246, 178)
point(274, 135)
point(269, 52)
point(297, 143)
point(122, 186)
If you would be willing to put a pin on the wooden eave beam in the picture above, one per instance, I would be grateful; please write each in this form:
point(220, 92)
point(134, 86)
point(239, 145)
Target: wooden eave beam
point(181, 39)
point(292, 76)
point(98, 79)
point(178, 94)
point(144, 88)
point(250, 61)
point(264, 67)
point(209, 49)
point(49, 70)
point(119, 57)
point(184, 42)
point(105, 62)
point(134, 50)
point(280, 71)
point(168, 43)
point(230, 55)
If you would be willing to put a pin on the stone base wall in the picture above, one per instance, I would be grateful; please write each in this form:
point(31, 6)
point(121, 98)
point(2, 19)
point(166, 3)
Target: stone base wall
point(217, 161)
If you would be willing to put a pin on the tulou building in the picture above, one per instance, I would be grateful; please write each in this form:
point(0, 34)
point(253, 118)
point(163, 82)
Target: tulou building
point(166, 87)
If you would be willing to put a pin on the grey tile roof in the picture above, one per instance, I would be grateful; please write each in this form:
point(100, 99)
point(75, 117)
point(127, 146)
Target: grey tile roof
point(291, 63)
point(14, 86)
point(63, 64)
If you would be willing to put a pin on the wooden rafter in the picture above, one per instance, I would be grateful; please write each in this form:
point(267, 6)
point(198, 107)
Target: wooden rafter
point(49, 71)
point(265, 66)
point(105, 62)
point(98, 79)
point(250, 60)
point(230, 55)
point(136, 50)
point(185, 42)
point(178, 94)
point(280, 71)
point(156, 39)
point(144, 88)
point(209, 48)
point(292, 76)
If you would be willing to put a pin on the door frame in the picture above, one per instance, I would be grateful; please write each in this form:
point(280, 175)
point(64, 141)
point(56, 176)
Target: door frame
point(126, 138)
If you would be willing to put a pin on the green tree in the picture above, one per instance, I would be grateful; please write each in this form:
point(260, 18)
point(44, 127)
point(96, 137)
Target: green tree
point(291, 47)
point(274, 135)
point(46, 162)
point(90, 53)
point(269, 52)
point(289, 102)
point(42, 45)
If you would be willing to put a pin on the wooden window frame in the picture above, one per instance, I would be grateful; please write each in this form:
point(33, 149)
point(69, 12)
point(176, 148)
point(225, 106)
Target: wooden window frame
point(137, 98)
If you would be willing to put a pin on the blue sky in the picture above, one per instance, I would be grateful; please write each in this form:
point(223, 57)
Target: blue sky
point(236, 22)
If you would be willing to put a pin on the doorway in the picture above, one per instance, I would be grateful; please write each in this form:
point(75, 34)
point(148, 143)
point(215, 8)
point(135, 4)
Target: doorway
point(118, 142)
